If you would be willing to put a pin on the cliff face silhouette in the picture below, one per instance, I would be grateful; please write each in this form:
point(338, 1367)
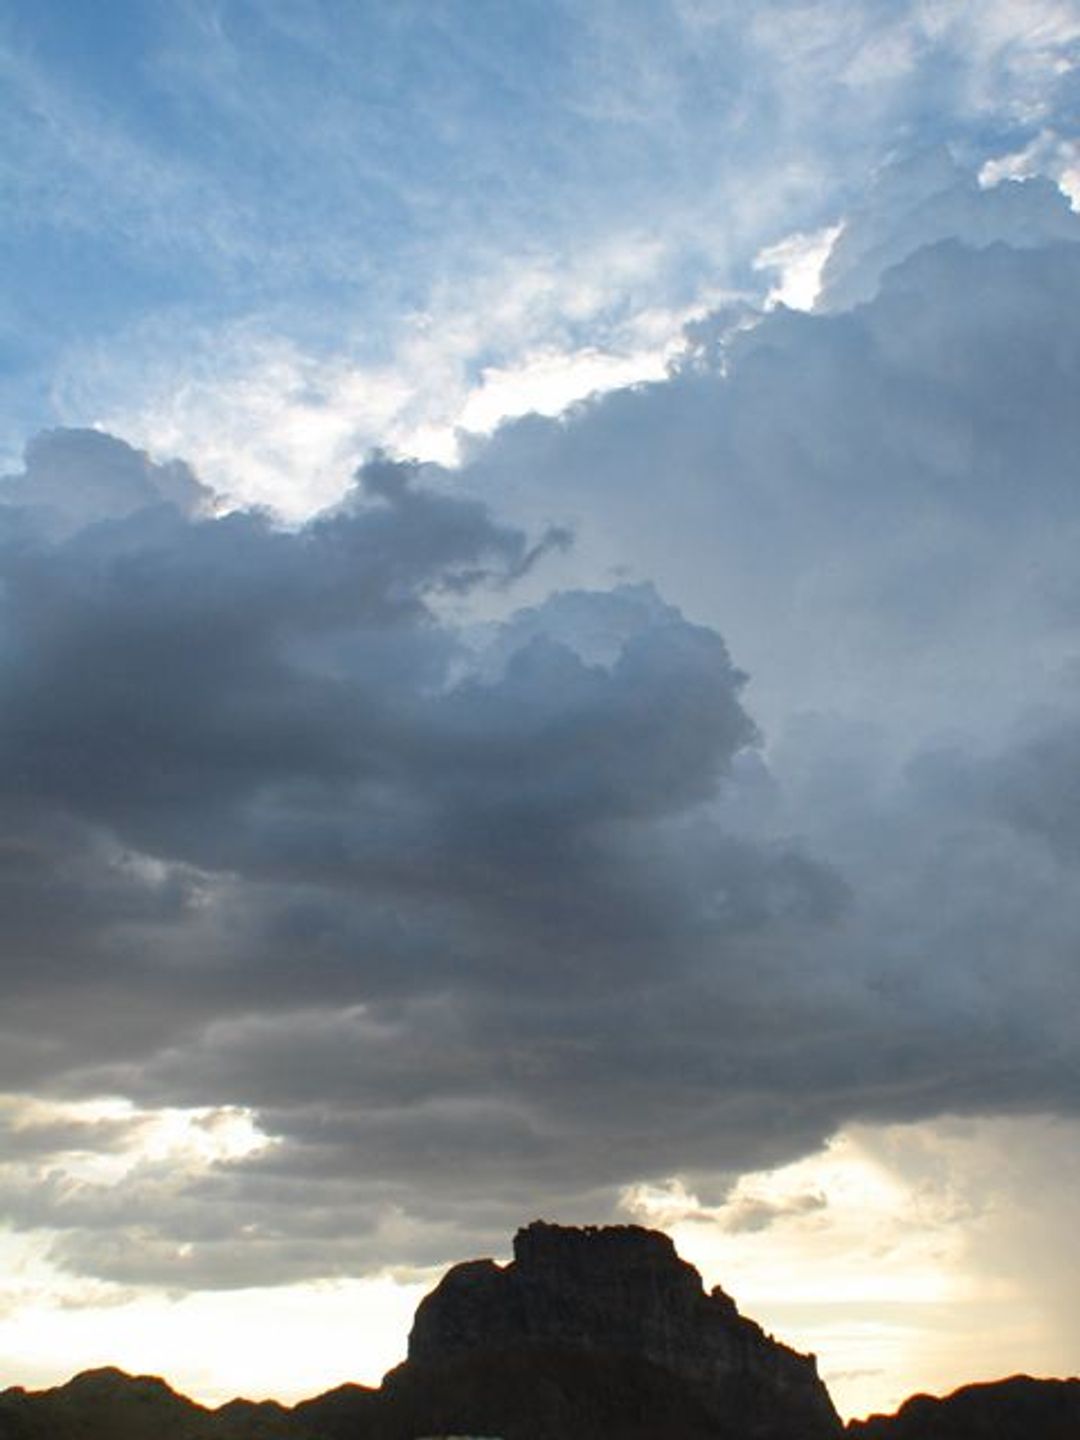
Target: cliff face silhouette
point(588, 1334)
point(616, 1304)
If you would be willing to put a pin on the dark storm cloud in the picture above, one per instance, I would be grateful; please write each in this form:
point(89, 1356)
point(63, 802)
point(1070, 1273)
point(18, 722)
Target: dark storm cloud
point(185, 694)
point(482, 919)
point(276, 833)
point(157, 671)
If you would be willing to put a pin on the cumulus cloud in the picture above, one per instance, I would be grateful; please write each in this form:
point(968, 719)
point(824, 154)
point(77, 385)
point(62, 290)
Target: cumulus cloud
point(864, 476)
point(74, 478)
point(277, 832)
point(928, 197)
point(481, 914)
point(878, 507)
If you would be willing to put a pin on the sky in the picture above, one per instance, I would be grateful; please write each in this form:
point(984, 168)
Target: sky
point(540, 651)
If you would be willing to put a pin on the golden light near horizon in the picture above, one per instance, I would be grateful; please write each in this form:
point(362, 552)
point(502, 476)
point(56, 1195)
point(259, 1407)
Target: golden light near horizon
point(892, 1255)
point(286, 1342)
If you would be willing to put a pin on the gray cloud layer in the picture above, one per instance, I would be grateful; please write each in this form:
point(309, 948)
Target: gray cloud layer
point(485, 921)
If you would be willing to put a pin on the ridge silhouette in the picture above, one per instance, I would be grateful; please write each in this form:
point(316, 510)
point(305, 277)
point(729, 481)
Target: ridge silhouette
point(595, 1333)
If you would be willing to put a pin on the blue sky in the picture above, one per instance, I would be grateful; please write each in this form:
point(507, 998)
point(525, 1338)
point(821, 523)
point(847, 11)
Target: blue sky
point(539, 669)
point(193, 186)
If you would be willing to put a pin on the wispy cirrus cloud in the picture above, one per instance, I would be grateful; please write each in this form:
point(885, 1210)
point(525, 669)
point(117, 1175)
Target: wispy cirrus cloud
point(288, 200)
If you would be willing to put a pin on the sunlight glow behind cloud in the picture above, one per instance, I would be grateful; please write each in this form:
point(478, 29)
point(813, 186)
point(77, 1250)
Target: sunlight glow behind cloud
point(884, 1254)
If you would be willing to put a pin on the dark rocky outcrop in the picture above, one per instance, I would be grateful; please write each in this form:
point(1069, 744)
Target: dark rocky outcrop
point(617, 1310)
point(1016, 1409)
point(107, 1403)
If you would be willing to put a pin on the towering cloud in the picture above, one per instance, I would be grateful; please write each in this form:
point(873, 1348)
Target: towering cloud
point(277, 837)
point(480, 905)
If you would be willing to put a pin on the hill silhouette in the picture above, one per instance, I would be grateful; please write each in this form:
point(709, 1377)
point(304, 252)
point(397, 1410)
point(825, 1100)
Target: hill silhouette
point(588, 1334)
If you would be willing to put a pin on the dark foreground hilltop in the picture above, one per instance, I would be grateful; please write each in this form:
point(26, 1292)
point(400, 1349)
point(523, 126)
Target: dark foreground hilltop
point(593, 1334)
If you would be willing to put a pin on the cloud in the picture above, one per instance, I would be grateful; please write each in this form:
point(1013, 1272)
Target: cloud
point(856, 475)
point(478, 908)
point(928, 197)
point(277, 832)
point(877, 507)
point(395, 212)
point(74, 478)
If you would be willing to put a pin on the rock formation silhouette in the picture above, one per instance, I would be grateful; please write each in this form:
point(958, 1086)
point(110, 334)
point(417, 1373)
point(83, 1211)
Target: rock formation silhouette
point(619, 1303)
point(588, 1334)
